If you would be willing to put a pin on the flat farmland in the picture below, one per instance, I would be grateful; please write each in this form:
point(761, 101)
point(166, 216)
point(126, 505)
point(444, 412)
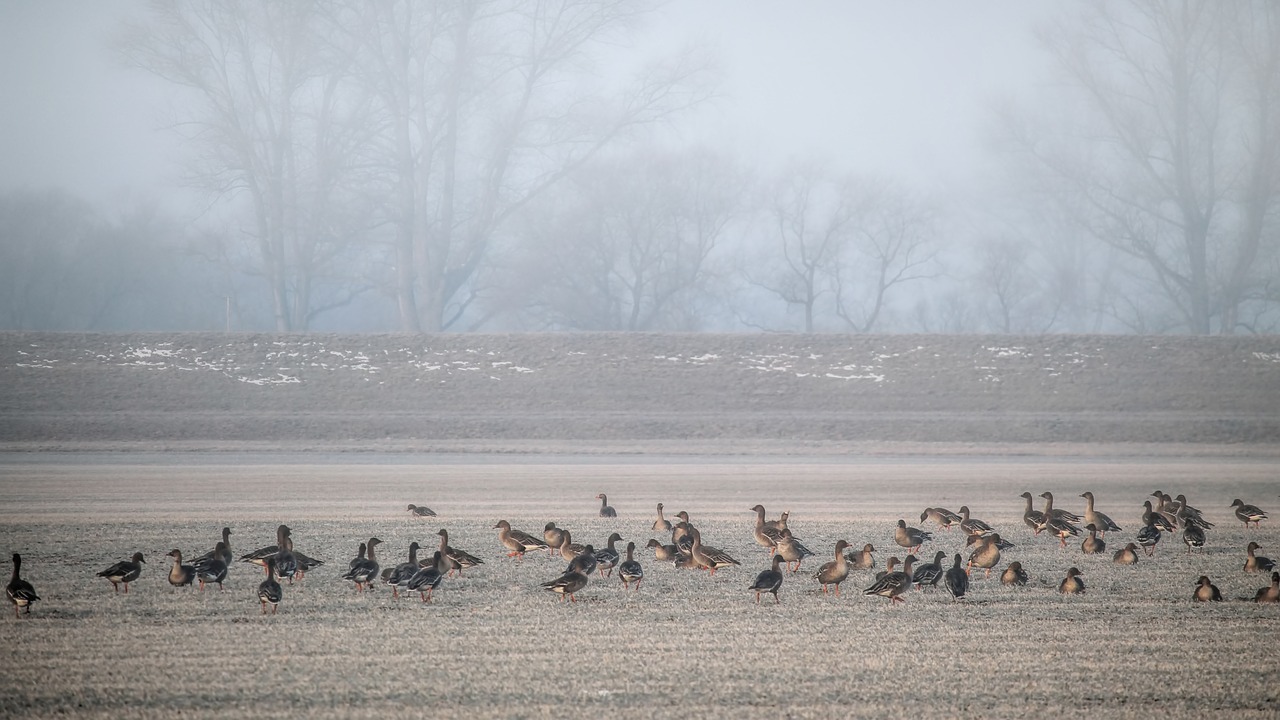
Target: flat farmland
point(493, 644)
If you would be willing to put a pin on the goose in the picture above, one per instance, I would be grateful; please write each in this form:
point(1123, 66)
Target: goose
point(259, 557)
point(570, 549)
point(20, 592)
point(269, 590)
point(709, 557)
point(1269, 594)
point(862, 559)
point(662, 553)
point(180, 574)
point(1097, 519)
point(287, 566)
point(972, 526)
point(986, 556)
point(605, 510)
point(402, 573)
point(585, 562)
point(457, 559)
point(629, 570)
point(428, 576)
point(1072, 584)
point(554, 538)
point(607, 557)
point(363, 573)
point(1153, 518)
point(1002, 543)
point(766, 535)
point(835, 571)
point(1248, 513)
point(890, 566)
point(893, 584)
point(567, 585)
point(1014, 575)
point(1193, 536)
point(1165, 508)
point(1051, 512)
point(359, 558)
point(929, 573)
point(519, 542)
point(1256, 563)
point(956, 579)
point(1148, 536)
point(780, 523)
point(420, 511)
point(226, 555)
point(680, 536)
point(1206, 591)
point(909, 537)
point(1060, 528)
point(942, 516)
point(792, 550)
point(1127, 555)
point(661, 524)
point(1188, 515)
point(305, 563)
point(769, 581)
point(125, 571)
point(213, 570)
point(1093, 544)
point(1032, 517)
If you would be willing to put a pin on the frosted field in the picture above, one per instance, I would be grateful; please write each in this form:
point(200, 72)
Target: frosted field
point(494, 644)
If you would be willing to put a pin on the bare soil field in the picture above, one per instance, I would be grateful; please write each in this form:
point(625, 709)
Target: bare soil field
point(493, 644)
point(628, 393)
point(114, 444)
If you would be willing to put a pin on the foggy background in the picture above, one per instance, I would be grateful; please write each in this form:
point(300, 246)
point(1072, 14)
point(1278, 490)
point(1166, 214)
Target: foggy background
point(729, 165)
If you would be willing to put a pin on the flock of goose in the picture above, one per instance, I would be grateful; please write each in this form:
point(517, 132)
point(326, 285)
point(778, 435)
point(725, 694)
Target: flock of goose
point(282, 562)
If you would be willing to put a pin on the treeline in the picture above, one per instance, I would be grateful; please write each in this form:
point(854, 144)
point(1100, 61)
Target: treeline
point(426, 166)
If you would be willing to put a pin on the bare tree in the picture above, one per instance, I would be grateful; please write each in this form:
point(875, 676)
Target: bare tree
point(838, 246)
point(892, 245)
point(276, 124)
point(809, 214)
point(1175, 163)
point(486, 105)
point(630, 246)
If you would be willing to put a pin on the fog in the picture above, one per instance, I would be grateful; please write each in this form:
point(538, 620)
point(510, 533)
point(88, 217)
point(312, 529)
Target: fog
point(719, 165)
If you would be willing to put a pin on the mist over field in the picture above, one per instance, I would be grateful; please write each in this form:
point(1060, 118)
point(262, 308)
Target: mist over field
point(289, 272)
point(359, 165)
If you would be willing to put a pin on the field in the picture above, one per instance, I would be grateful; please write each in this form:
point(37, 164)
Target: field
point(116, 444)
point(493, 644)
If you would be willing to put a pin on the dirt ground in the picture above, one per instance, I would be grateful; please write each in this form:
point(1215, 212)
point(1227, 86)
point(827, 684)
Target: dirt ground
point(632, 393)
point(493, 644)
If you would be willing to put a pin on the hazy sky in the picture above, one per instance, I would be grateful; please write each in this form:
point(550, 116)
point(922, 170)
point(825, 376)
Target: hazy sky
point(903, 87)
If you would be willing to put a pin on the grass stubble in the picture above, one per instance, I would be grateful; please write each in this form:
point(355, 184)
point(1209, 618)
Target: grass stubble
point(493, 644)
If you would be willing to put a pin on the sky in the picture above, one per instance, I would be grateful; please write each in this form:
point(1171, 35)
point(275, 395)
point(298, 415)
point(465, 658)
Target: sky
point(904, 88)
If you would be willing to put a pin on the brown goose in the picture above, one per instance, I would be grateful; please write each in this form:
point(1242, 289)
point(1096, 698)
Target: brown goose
point(1072, 584)
point(662, 553)
point(421, 511)
point(567, 584)
point(987, 555)
point(1033, 518)
point(457, 559)
point(1256, 563)
point(661, 524)
point(269, 591)
point(605, 510)
point(792, 550)
point(518, 542)
point(1097, 519)
point(20, 592)
point(554, 537)
point(1014, 575)
point(570, 549)
point(942, 516)
point(972, 526)
point(893, 584)
point(862, 559)
point(1206, 591)
point(766, 535)
point(180, 574)
point(909, 537)
point(1269, 594)
point(630, 570)
point(1093, 544)
point(124, 572)
point(1248, 513)
point(709, 557)
point(835, 571)
point(1127, 555)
